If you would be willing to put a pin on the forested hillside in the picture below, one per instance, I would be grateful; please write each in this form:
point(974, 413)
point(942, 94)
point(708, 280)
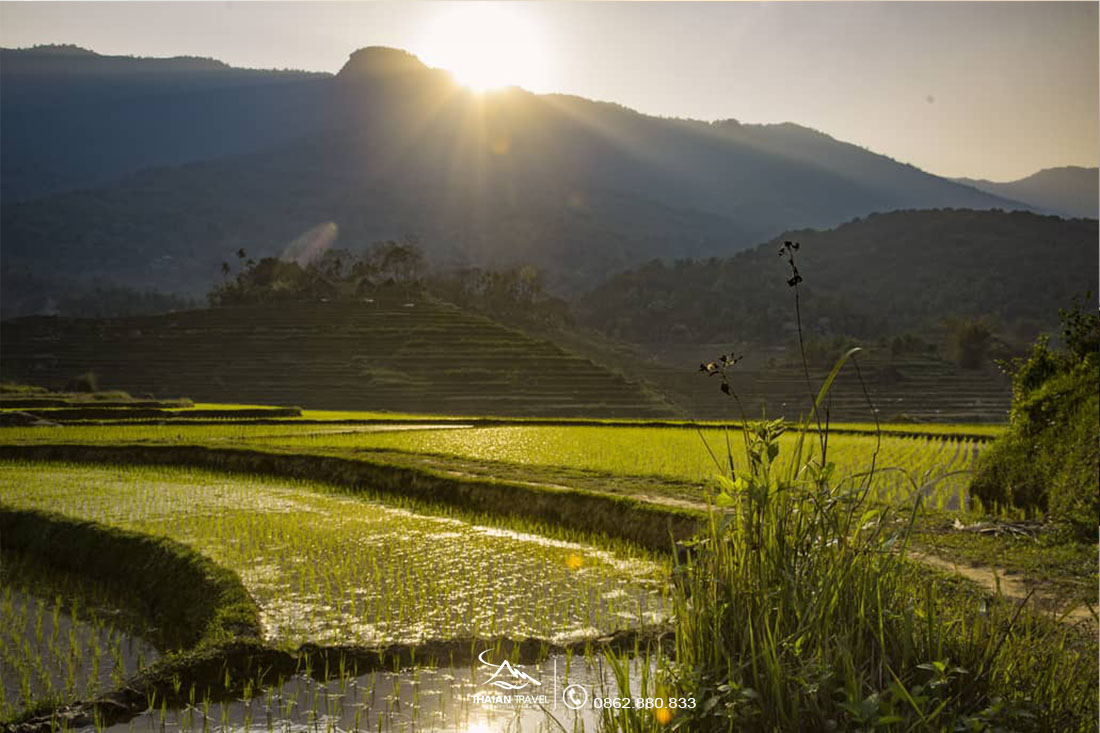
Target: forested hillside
point(880, 276)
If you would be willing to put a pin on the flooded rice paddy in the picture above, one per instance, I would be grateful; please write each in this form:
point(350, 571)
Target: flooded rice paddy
point(937, 468)
point(559, 694)
point(54, 649)
point(327, 568)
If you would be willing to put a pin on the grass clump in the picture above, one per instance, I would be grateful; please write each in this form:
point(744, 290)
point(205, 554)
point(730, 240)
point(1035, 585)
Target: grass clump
point(1049, 459)
point(797, 609)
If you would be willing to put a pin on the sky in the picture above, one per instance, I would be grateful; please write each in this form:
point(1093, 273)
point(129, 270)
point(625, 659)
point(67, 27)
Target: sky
point(993, 90)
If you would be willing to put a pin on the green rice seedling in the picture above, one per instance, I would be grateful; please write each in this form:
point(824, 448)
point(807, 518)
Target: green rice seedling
point(50, 647)
point(618, 450)
point(294, 547)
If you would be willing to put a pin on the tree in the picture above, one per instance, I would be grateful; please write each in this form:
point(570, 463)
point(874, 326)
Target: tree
point(268, 280)
point(971, 340)
point(390, 263)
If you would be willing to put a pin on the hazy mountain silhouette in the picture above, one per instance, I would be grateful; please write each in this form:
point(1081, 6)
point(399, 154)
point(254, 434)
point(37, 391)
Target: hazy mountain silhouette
point(73, 118)
point(389, 148)
point(1068, 191)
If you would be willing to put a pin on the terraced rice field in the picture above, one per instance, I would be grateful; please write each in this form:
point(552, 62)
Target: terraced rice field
point(927, 389)
point(340, 570)
point(906, 466)
point(419, 356)
point(936, 469)
point(326, 568)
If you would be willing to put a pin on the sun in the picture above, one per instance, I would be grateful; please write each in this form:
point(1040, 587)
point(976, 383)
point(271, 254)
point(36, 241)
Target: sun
point(487, 45)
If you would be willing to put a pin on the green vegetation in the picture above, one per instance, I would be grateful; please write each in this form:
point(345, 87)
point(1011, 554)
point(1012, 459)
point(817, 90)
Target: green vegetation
point(189, 600)
point(21, 390)
point(800, 611)
point(326, 597)
point(812, 613)
point(1049, 460)
point(388, 269)
point(60, 639)
point(675, 456)
point(881, 276)
point(1063, 574)
point(337, 570)
point(798, 608)
point(101, 580)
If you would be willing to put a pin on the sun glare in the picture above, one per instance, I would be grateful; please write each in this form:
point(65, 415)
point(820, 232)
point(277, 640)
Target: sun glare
point(487, 45)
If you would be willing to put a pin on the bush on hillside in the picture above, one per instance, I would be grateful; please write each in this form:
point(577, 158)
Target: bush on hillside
point(1049, 460)
point(86, 382)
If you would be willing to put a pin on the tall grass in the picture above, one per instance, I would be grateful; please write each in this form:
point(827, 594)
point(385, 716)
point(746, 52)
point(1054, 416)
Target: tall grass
point(797, 609)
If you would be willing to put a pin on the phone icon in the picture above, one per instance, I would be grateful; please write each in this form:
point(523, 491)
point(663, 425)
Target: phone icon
point(575, 696)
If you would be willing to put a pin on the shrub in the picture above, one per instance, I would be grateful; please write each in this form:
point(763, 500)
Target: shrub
point(86, 382)
point(971, 342)
point(1048, 459)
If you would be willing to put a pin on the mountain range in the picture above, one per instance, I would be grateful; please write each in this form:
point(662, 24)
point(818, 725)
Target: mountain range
point(152, 172)
point(1066, 191)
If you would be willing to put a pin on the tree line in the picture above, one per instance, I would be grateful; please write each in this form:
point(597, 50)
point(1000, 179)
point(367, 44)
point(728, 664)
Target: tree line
point(389, 268)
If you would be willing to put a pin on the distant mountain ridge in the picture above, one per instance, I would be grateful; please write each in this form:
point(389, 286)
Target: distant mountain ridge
point(73, 118)
point(389, 148)
point(1067, 191)
point(874, 277)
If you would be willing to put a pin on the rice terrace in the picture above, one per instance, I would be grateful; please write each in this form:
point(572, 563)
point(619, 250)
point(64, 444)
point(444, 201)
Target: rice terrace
point(420, 392)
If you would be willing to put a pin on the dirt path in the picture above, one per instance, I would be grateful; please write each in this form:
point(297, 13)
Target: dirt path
point(1012, 586)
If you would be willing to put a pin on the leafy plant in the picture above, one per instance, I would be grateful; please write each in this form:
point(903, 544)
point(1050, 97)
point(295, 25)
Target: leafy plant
point(1049, 459)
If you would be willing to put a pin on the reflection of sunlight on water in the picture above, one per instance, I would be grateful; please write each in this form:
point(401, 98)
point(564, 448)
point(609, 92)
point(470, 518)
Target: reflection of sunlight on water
point(327, 568)
point(438, 699)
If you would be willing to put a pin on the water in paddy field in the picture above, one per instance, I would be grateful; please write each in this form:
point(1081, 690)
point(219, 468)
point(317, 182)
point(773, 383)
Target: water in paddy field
point(327, 568)
point(46, 652)
point(557, 694)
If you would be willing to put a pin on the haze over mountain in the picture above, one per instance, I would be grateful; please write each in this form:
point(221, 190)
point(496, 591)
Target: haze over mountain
point(388, 148)
point(1069, 191)
point(73, 118)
